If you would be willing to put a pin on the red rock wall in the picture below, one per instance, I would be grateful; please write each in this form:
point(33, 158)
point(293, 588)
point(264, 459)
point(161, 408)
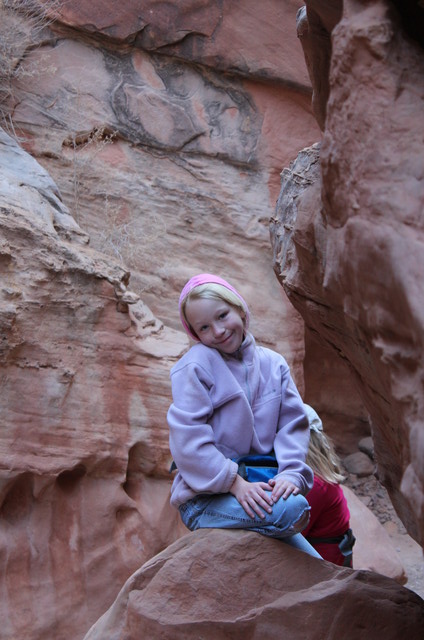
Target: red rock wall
point(166, 130)
point(351, 215)
point(165, 136)
point(81, 387)
point(165, 133)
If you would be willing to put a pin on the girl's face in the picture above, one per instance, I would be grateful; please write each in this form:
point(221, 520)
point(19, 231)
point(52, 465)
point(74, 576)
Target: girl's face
point(216, 323)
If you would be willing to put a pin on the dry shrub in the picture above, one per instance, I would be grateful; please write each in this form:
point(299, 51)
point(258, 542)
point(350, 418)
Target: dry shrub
point(22, 23)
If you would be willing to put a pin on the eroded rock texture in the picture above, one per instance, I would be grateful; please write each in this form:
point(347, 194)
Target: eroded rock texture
point(216, 583)
point(348, 235)
point(166, 126)
point(84, 362)
point(163, 130)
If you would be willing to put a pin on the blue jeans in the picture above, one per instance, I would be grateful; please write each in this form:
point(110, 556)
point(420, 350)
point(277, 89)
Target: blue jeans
point(223, 511)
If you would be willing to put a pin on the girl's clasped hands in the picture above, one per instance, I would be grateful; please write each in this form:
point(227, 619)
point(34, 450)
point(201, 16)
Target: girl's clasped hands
point(255, 497)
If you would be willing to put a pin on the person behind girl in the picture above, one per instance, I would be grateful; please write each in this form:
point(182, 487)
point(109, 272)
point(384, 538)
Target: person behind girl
point(328, 530)
point(233, 398)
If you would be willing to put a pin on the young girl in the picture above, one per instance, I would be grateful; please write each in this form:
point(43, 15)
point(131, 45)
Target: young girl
point(328, 529)
point(233, 398)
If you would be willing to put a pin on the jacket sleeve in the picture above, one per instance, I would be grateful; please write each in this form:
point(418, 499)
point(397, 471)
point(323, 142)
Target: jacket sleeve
point(191, 438)
point(292, 438)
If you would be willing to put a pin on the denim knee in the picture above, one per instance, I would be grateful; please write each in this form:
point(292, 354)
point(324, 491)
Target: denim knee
point(191, 510)
point(292, 511)
point(288, 516)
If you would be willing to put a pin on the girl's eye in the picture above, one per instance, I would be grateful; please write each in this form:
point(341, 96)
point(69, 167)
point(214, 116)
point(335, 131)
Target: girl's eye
point(205, 326)
point(223, 314)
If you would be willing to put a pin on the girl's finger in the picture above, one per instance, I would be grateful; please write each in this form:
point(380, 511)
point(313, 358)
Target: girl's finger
point(265, 485)
point(265, 502)
point(266, 497)
point(276, 494)
point(256, 510)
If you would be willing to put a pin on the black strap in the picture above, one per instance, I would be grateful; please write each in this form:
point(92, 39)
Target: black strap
point(345, 542)
point(335, 540)
point(347, 536)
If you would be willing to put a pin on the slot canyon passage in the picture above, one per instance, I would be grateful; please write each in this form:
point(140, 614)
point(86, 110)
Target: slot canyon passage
point(281, 146)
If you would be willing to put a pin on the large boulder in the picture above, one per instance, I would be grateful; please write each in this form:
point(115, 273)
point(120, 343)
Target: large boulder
point(373, 549)
point(216, 584)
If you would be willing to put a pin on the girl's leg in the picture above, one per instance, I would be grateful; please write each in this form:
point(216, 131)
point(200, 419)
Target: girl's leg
point(299, 542)
point(223, 511)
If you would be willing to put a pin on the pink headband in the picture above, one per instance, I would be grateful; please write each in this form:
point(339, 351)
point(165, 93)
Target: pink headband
point(207, 278)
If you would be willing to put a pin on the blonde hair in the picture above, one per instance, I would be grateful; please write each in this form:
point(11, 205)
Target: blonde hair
point(323, 459)
point(213, 291)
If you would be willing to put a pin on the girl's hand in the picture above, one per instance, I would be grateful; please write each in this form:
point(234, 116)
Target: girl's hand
point(282, 488)
point(252, 496)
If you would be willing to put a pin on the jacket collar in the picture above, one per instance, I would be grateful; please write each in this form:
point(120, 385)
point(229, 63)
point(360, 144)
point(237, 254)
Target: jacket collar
point(245, 350)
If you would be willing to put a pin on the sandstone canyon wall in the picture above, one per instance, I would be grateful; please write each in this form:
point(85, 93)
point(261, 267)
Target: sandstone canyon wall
point(159, 143)
point(159, 137)
point(166, 131)
point(348, 231)
point(83, 441)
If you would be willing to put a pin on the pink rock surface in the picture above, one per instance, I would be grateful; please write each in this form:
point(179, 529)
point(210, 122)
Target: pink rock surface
point(84, 365)
point(373, 549)
point(165, 139)
point(348, 237)
point(166, 161)
point(216, 583)
point(241, 38)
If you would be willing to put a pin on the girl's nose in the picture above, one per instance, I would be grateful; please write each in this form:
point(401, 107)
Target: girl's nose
point(217, 329)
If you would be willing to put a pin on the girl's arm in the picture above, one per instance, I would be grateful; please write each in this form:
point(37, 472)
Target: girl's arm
point(192, 441)
point(291, 441)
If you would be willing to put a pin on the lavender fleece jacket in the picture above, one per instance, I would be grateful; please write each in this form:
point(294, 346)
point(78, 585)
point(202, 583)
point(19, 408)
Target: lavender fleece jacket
point(228, 406)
